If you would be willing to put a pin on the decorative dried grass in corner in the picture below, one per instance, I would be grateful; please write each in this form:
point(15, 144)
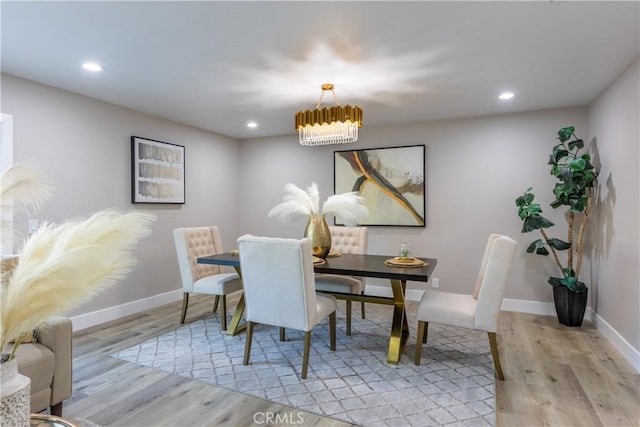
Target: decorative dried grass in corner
point(62, 266)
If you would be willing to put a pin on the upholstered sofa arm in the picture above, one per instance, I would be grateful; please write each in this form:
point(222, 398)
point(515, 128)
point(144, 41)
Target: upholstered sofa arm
point(56, 334)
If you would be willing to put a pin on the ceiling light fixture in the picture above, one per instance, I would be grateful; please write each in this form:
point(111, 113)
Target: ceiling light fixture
point(252, 125)
point(506, 95)
point(91, 66)
point(334, 125)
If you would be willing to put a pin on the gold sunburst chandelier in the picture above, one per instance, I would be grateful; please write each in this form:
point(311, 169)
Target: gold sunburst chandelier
point(333, 125)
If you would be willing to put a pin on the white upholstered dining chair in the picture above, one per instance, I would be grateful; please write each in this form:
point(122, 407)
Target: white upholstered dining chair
point(192, 243)
point(347, 240)
point(279, 290)
point(479, 310)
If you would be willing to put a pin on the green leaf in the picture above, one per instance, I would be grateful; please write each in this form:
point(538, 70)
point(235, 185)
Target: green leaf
point(578, 205)
point(532, 247)
point(558, 244)
point(577, 164)
point(560, 154)
point(578, 143)
point(534, 209)
point(564, 173)
point(542, 251)
point(535, 222)
point(556, 204)
point(554, 281)
point(520, 201)
point(579, 287)
point(568, 272)
point(528, 197)
point(565, 133)
point(538, 247)
point(569, 282)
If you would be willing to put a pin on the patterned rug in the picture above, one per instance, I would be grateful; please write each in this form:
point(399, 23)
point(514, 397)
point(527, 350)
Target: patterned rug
point(454, 385)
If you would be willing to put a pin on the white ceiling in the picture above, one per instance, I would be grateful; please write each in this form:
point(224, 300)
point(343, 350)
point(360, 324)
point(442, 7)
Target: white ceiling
point(217, 65)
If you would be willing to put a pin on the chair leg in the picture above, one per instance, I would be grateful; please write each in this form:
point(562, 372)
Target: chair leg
point(282, 335)
point(332, 330)
point(426, 331)
point(422, 329)
point(56, 409)
point(215, 303)
point(223, 313)
point(185, 303)
point(247, 344)
point(305, 356)
point(362, 308)
point(348, 317)
point(494, 353)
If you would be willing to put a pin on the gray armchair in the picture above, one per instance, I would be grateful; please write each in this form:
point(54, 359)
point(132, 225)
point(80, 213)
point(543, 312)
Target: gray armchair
point(48, 362)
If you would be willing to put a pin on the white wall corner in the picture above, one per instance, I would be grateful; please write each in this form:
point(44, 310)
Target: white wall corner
point(98, 317)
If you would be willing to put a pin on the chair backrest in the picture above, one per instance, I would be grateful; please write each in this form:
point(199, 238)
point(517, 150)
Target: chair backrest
point(349, 240)
point(278, 281)
point(483, 264)
point(194, 242)
point(493, 283)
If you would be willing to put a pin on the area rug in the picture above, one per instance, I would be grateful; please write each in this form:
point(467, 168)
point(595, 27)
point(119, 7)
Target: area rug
point(454, 385)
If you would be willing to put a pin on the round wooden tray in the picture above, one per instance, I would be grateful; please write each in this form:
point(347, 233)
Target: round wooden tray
point(405, 262)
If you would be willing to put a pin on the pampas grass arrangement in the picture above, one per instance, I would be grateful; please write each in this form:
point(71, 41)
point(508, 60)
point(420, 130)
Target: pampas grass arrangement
point(348, 208)
point(62, 266)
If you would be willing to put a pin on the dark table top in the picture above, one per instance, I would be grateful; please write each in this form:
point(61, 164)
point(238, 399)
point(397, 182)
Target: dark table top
point(351, 265)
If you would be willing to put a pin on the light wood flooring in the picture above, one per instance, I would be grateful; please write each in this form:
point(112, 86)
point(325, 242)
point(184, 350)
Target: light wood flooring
point(555, 376)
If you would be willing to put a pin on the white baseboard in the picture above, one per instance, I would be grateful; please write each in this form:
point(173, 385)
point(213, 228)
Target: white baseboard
point(522, 306)
point(94, 318)
point(622, 345)
point(535, 307)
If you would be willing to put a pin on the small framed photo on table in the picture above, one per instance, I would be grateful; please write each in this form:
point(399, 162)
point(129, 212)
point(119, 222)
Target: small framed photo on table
point(157, 172)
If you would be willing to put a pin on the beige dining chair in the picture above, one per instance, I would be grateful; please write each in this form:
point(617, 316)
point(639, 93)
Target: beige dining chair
point(479, 310)
point(192, 243)
point(279, 290)
point(346, 240)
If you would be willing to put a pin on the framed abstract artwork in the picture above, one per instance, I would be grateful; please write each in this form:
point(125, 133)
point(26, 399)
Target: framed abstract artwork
point(391, 180)
point(157, 172)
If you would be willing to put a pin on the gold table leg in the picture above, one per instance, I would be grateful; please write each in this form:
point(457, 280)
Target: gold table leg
point(400, 326)
point(235, 327)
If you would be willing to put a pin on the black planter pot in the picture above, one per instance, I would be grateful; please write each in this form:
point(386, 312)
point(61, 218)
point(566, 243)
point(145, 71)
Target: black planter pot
point(570, 306)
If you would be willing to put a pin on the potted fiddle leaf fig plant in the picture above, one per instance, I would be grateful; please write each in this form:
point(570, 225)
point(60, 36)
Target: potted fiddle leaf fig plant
point(574, 191)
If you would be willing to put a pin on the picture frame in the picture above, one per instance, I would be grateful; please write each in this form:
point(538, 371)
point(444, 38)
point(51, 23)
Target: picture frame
point(391, 180)
point(157, 171)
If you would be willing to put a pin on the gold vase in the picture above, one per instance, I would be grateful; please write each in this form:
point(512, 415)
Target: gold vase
point(318, 231)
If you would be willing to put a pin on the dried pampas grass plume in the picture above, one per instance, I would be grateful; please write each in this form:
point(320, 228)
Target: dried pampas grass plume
point(298, 203)
point(62, 266)
point(22, 185)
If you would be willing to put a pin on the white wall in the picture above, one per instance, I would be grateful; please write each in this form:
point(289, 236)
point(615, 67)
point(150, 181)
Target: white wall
point(84, 147)
point(475, 168)
point(614, 130)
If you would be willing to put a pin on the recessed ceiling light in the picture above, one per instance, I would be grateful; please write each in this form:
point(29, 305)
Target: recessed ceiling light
point(506, 95)
point(252, 125)
point(91, 66)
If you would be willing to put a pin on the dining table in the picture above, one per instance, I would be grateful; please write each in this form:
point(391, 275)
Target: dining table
point(363, 265)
